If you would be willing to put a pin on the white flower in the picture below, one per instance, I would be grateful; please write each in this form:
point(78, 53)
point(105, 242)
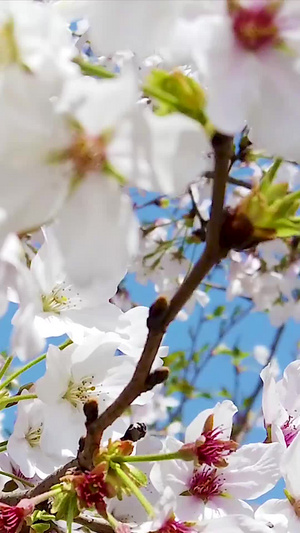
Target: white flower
point(210, 492)
point(284, 515)
point(9, 466)
point(62, 308)
point(247, 72)
point(280, 403)
point(225, 477)
point(197, 298)
point(24, 445)
point(42, 154)
point(78, 373)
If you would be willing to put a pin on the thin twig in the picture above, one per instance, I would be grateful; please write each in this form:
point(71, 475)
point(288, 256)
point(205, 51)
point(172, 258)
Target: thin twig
point(233, 181)
point(219, 287)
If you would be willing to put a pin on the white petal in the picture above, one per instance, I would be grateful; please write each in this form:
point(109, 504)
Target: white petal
point(278, 514)
point(278, 104)
point(162, 154)
point(54, 383)
point(100, 104)
point(291, 468)
point(228, 73)
point(223, 413)
point(97, 232)
point(64, 425)
point(233, 524)
point(143, 27)
point(273, 409)
point(253, 470)
point(26, 340)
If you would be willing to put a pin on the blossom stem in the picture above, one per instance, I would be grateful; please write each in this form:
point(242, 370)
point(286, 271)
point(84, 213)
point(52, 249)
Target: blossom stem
point(112, 521)
point(21, 370)
point(30, 365)
point(16, 399)
point(16, 478)
point(45, 496)
point(146, 458)
point(135, 490)
point(3, 449)
point(6, 366)
point(93, 70)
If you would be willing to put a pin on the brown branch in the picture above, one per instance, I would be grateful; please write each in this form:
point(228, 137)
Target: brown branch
point(161, 314)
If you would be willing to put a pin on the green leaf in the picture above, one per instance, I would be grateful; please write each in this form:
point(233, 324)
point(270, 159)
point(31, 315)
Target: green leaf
point(270, 175)
point(225, 393)
point(219, 310)
point(247, 402)
point(176, 361)
point(204, 394)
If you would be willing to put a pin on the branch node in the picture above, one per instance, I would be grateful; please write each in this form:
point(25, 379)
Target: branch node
point(157, 313)
point(91, 411)
point(155, 378)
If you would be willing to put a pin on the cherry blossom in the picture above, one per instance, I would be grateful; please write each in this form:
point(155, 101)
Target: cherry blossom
point(234, 60)
point(62, 308)
point(201, 491)
point(90, 370)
